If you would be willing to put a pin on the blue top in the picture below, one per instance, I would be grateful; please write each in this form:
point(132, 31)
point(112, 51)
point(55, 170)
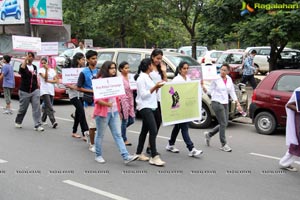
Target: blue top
point(85, 81)
point(8, 76)
point(248, 66)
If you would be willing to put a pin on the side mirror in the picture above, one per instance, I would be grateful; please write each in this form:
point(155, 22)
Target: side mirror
point(170, 75)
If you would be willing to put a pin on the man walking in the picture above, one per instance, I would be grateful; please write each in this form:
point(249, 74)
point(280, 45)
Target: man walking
point(249, 69)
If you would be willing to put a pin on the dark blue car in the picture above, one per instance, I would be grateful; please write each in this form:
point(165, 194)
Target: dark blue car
point(11, 8)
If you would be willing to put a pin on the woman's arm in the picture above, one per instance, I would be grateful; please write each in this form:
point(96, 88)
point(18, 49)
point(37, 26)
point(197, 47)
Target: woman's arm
point(292, 106)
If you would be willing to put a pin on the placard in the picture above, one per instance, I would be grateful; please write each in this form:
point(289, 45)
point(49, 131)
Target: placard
point(108, 87)
point(12, 12)
point(209, 72)
point(132, 82)
point(298, 100)
point(48, 49)
point(70, 75)
point(23, 43)
point(181, 102)
point(195, 73)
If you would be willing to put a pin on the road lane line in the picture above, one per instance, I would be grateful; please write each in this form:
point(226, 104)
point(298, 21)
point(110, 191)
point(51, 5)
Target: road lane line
point(3, 161)
point(64, 119)
point(95, 190)
point(162, 137)
point(271, 157)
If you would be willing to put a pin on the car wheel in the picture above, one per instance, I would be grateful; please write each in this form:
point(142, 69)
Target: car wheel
point(205, 120)
point(265, 123)
point(18, 15)
point(3, 16)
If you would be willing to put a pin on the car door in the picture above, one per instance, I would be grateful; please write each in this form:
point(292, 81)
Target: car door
point(16, 65)
point(281, 93)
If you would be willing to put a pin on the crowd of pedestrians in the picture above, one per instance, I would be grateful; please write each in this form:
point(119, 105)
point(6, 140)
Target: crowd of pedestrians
point(117, 113)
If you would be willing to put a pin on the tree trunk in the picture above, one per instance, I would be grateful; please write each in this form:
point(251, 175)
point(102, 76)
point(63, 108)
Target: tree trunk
point(194, 45)
point(122, 35)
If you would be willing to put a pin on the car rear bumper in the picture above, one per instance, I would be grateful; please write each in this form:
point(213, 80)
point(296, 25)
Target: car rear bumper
point(252, 110)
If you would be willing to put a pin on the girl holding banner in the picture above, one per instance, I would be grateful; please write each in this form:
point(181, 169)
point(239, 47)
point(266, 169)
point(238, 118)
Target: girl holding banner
point(147, 104)
point(106, 113)
point(181, 76)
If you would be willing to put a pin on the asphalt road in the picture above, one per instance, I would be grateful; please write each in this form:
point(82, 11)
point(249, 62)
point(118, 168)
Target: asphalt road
point(53, 165)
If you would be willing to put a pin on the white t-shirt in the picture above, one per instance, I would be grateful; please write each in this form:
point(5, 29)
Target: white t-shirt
point(47, 88)
point(156, 78)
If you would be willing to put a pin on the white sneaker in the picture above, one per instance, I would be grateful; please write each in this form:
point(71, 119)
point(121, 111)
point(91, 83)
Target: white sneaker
point(18, 125)
point(39, 128)
point(207, 138)
point(100, 159)
point(226, 148)
point(92, 148)
point(195, 152)
point(289, 168)
point(7, 112)
point(156, 161)
point(142, 157)
point(172, 148)
point(130, 159)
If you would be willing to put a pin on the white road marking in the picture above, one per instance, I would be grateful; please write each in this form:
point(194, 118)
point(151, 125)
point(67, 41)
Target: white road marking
point(95, 190)
point(162, 137)
point(3, 161)
point(271, 157)
point(64, 119)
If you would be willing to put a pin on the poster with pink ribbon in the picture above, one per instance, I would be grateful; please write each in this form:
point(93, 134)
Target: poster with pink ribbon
point(108, 87)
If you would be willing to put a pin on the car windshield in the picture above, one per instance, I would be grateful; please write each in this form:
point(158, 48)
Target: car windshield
point(231, 58)
point(176, 59)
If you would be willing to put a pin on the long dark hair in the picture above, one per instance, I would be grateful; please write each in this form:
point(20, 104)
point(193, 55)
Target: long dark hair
point(122, 65)
point(154, 53)
point(179, 67)
point(143, 67)
point(104, 70)
point(77, 57)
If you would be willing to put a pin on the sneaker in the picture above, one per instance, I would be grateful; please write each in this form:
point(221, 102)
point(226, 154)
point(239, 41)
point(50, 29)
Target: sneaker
point(130, 159)
point(156, 161)
point(54, 125)
point(44, 123)
point(100, 159)
point(92, 148)
point(142, 157)
point(39, 128)
point(195, 152)
point(226, 148)
point(172, 148)
point(6, 112)
point(290, 168)
point(207, 138)
point(18, 125)
point(87, 136)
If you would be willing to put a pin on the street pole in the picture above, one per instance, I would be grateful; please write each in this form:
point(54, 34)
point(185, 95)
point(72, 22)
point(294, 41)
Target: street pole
point(27, 19)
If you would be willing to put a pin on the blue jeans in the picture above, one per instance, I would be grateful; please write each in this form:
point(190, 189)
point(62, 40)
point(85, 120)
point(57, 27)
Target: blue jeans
point(113, 121)
point(126, 123)
point(185, 135)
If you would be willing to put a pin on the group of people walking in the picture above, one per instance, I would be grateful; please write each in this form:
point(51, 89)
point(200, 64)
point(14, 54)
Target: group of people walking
point(117, 113)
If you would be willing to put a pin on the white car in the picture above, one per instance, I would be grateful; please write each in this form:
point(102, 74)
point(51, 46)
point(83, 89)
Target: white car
point(210, 57)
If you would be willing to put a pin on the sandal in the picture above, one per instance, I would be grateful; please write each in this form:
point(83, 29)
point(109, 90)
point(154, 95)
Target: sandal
point(75, 135)
point(127, 143)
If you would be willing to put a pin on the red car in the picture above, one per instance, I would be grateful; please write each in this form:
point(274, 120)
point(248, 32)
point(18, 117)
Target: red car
point(267, 109)
point(235, 61)
point(60, 89)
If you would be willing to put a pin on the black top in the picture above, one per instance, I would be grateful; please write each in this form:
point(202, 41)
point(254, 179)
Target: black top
point(29, 81)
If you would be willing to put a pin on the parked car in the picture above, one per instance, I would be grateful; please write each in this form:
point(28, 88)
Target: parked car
point(267, 109)
point(262, 56)
point(10, 8)
point(289, 59)
point(210, 57)
point(187, 50)
point(235, 60)
point(60, 89)
point(171, 61)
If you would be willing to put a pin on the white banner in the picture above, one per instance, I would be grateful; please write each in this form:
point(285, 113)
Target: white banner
point(108, 87)
point(70, 75)
point(132, 82)
point(12, 12)
point(23, 43)
point(48, 49)
point(209, 72)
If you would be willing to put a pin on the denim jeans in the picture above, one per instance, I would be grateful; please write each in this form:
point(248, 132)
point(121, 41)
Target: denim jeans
point(126, 123)
point(221, 111)
point(185, 135)
point(113, 121)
